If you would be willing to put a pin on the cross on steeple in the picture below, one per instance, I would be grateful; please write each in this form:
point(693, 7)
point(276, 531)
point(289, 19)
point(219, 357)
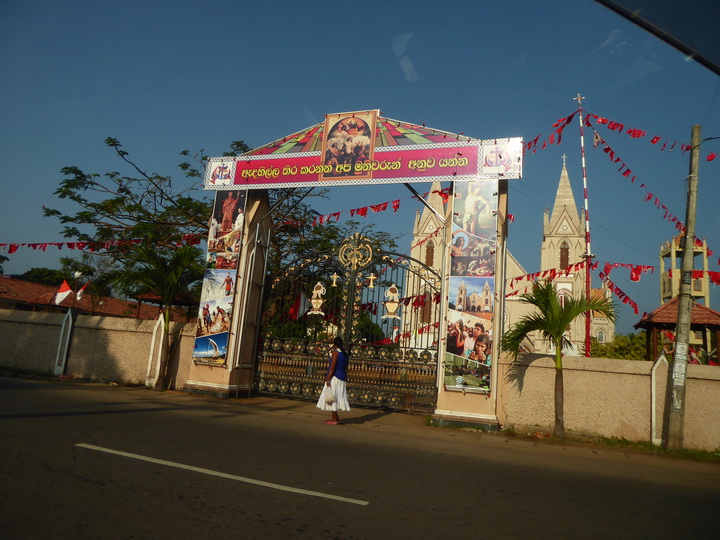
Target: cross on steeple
point(564, 158)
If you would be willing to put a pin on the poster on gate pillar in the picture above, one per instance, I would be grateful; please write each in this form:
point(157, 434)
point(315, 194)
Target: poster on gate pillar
point(471, 294)
point(219, 282)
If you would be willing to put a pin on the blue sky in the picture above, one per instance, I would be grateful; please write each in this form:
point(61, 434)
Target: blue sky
point(164, 76)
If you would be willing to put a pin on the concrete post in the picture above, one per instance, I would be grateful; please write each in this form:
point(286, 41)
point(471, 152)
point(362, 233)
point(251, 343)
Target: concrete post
point(682, 332)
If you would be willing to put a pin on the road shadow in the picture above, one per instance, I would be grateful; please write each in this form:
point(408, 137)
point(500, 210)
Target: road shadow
point(375, 415)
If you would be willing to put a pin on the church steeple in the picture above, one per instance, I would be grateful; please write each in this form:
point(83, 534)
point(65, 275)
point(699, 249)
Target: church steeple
point(563, 232)
point(564, 198)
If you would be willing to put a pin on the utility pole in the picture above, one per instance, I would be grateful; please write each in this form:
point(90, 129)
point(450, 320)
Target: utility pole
point(682, 331)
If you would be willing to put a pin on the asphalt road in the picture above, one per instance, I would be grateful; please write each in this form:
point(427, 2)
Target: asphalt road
point(83, 460)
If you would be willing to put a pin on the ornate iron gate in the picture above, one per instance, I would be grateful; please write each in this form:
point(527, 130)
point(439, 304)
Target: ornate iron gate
point(384, 305)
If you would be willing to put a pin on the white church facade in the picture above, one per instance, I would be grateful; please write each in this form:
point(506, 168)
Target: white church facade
point(562, 245)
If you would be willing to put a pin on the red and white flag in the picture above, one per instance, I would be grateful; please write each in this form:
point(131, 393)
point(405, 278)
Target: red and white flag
point(299, 307)
point(79, 294)
point(63, 293)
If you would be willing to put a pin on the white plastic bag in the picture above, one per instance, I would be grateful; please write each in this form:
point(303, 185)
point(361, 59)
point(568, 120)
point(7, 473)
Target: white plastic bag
point(329, 396)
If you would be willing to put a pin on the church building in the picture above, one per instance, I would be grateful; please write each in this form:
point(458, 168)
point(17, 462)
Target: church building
point(561, 246)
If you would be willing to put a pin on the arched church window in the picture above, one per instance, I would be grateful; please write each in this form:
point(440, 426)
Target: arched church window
point(427, 310)
point(601, 336)
point(430, 254)
point(564, 255)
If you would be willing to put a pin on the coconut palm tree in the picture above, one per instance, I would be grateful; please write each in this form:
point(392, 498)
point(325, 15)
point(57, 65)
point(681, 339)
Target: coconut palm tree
point(552, 320)
point(165, 273)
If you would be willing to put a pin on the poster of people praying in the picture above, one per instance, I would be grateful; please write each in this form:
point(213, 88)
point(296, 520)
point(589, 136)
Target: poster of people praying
point(468, 352)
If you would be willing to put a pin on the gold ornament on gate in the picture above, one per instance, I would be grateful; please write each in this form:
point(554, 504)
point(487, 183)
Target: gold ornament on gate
point(355, 252)
point(317, 299)
point(392, 303)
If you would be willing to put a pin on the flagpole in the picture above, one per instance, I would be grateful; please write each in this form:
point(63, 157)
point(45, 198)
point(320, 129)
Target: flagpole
point(588, 256)
point(77, 276)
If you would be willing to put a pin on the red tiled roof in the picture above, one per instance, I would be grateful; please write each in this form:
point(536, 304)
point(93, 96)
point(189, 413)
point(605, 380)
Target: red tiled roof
point(667, 314)
point(182, 298)
point(42, 297)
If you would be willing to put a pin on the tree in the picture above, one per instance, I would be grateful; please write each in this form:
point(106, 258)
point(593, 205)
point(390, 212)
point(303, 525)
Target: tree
point(165, 273)
point(92, 273)
point(623, 347)
point(3, 259)
point(552, 320)
point(117, 212)
point(45, 276)
point(296, 233)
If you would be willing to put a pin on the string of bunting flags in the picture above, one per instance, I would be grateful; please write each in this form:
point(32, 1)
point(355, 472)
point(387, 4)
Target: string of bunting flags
point(376, 208)
point(617, 291)
point(624, 298)
point(698, 274)
point(549, 274)
point(10, 248)
point(649, 197)
point(194, 239)
point(636, 271)
point(635, 133)
point(417, 301)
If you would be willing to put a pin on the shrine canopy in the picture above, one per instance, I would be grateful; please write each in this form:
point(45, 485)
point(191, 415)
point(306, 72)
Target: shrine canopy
point(665, 318)
point(364, 147)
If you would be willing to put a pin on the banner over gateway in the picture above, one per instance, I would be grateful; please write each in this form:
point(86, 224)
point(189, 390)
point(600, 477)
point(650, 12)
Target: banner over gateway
point(364, 148)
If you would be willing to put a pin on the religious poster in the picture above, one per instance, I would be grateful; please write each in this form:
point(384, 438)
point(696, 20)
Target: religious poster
point(348, 144)
point(226, 225)
point(215, 315)
point(471, 295)
point(219, 282)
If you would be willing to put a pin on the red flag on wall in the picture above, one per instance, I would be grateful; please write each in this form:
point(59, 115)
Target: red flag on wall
point(63, 293)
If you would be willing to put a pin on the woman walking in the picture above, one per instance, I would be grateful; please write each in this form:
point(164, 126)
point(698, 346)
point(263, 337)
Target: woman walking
point(333, 397)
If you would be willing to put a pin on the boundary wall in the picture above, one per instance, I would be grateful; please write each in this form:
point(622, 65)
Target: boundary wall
point(603, 397)
point(101, 348)
point(611, 398)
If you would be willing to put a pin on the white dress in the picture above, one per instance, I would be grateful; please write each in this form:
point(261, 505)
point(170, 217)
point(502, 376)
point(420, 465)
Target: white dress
point(339, 388)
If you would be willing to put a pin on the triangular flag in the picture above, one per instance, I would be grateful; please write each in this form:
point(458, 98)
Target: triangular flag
point(63, 293)
point(79, 294)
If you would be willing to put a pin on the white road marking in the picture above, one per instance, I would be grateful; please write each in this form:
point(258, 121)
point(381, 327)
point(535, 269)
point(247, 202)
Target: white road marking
point(223, 475)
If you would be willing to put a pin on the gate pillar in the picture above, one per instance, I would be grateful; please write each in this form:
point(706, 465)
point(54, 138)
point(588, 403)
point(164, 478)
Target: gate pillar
point(232, 373)
point(457, 405)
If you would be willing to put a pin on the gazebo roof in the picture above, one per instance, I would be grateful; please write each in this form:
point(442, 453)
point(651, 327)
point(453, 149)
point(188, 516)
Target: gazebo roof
point(666, 316)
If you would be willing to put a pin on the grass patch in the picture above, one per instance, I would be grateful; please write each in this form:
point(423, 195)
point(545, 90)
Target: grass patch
point(620, 444)
point(648, 448)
